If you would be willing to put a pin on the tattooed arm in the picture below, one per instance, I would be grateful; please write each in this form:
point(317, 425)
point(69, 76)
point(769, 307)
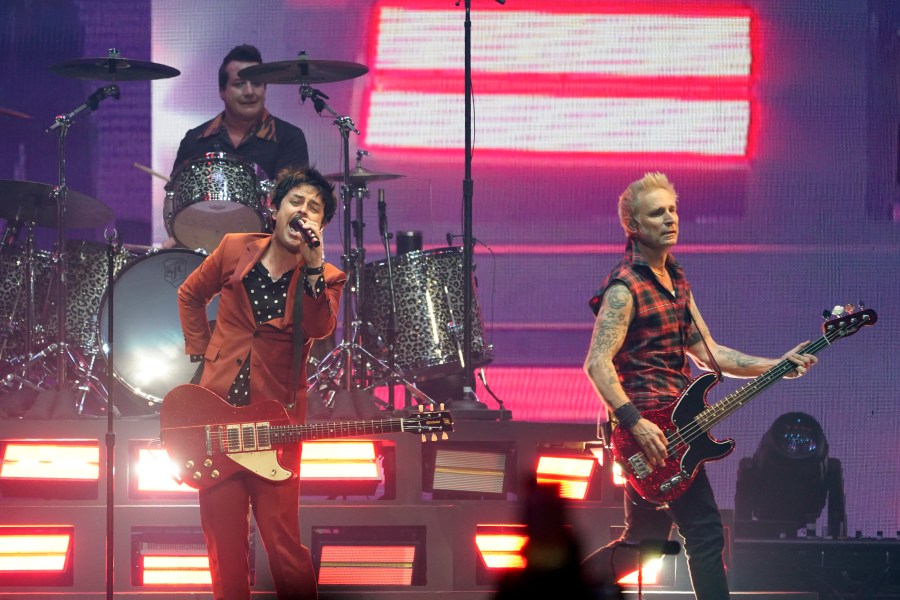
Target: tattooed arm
point(613, 319)
point(735, 363)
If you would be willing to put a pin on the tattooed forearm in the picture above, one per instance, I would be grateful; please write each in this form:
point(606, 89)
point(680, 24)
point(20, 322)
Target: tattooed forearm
point(739, 359)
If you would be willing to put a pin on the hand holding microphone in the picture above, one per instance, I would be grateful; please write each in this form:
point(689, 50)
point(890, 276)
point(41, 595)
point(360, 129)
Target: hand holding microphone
point(311, 239)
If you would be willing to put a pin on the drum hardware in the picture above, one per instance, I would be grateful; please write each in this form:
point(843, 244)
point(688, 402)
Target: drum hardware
point(349, 360)
point(305, 71)
point(111, 68)
point(370, 370)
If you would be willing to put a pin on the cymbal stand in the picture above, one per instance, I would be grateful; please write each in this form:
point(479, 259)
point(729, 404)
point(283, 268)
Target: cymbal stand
point(349, 360)
point(62, 124)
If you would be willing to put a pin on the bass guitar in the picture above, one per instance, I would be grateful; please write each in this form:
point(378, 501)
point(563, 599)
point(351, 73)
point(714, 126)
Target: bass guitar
point(209, 440)
point(687, 421)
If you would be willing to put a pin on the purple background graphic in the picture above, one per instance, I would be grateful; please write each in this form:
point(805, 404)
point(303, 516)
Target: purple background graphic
point(811, 221)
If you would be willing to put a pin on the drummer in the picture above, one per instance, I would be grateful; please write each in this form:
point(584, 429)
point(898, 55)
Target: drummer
point(245, 128)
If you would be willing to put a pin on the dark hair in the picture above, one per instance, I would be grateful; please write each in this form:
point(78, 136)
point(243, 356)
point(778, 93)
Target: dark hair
point(291, 177)
point(242, 53)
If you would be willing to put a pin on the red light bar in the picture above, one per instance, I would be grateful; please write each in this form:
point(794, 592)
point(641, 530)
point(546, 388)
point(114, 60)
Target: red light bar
point(36, 555)
point(571, 473)
point(366, 565)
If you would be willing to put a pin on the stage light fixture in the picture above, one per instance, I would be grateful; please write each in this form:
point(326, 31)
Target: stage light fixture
point(36, 555)
point(571, 470)
point(51, 469)
point(174, 556)
point(788, 481)
point(343, 468)
point(151, 474)
point(651, 575)
point(499, 549)
point(469, 470)
point(369, 556)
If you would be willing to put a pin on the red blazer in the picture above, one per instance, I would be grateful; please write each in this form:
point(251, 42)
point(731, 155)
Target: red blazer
point(236, 333)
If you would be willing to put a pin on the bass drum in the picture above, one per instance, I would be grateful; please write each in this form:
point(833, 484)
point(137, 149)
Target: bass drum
point(149, 344)
point(429, 291)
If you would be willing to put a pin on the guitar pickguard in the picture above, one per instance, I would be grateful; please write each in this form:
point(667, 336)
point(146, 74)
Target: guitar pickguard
point(263, 463)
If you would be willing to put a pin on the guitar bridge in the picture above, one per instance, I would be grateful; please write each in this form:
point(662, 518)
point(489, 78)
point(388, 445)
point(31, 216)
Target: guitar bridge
point(639, 465)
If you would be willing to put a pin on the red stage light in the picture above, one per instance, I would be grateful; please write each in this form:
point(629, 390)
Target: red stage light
point(50, 468)
point(36, 555)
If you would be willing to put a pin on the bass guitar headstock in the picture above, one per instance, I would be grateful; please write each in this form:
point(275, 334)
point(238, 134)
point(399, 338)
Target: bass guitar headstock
point(429, 423)
point(845, 320)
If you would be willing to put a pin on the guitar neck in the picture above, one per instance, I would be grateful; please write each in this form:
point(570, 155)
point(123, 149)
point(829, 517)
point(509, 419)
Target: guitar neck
point(721, 410)
point(286, 434)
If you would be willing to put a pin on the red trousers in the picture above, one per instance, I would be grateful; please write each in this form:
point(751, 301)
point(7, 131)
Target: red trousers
point(225, 516)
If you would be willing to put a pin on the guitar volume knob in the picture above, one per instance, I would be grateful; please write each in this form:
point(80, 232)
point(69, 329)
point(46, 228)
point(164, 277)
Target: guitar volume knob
point(214, 474)
point(189, 464)
point(207, 463)
point(197, 475)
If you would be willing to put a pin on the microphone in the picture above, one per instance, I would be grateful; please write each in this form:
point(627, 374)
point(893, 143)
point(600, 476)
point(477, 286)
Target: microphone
point(310, 238)
point(652, 546)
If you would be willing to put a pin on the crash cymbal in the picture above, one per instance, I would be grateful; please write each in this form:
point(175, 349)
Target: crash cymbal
point(303, 70)
point(113, 68)
point(361, 176)
point(26, 198)
point(13, 113)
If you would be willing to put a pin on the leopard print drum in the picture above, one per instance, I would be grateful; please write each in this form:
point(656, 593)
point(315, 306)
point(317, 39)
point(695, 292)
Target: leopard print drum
point(429, 292)
point(212, 195)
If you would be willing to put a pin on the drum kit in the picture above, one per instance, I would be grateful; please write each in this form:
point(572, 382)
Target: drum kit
point(401, 315)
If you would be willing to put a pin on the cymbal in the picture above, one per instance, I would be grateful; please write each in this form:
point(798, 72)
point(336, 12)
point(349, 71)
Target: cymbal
point(360, 176)
point(20, 198)
point(113, 69)
point(303, 70)
point(13, 113)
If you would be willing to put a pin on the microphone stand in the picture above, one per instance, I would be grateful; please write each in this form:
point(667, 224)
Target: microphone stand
point(469, 407)
point(111, 237)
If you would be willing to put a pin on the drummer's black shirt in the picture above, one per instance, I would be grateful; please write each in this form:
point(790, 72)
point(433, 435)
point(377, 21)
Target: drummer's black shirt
point(273, 144)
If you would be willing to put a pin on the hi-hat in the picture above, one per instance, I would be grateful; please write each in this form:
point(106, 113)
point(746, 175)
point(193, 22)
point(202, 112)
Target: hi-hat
point(361, 176)
point(13, 113)
point(29, 200)
point(113, 68)
point(303, 70)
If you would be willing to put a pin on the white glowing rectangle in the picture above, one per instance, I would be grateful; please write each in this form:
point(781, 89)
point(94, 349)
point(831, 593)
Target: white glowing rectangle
point(34, 552)
point(51, 459)
point(524, 123)
point(156, 473)
point(578, 42)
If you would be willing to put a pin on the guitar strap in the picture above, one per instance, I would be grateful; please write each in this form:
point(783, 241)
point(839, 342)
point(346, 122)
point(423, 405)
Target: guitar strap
point(297, 351)
point(712, 359)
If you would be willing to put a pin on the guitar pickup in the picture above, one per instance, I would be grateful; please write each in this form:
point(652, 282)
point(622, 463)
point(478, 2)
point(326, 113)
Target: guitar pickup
point(671, 482)
point(639, 465)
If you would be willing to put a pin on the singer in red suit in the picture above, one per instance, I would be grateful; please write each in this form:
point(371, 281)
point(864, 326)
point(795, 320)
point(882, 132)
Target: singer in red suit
point(249, 357)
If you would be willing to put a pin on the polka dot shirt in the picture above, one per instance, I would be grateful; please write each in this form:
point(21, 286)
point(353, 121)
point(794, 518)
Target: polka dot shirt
point(268, 299)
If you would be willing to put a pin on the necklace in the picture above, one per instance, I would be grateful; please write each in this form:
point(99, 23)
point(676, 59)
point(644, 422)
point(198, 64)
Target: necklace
point(662, 273)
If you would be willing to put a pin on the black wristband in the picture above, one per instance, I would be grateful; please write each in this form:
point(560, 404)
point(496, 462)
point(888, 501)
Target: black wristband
point(314, 271)
point(627, 415)
point(195, 358)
